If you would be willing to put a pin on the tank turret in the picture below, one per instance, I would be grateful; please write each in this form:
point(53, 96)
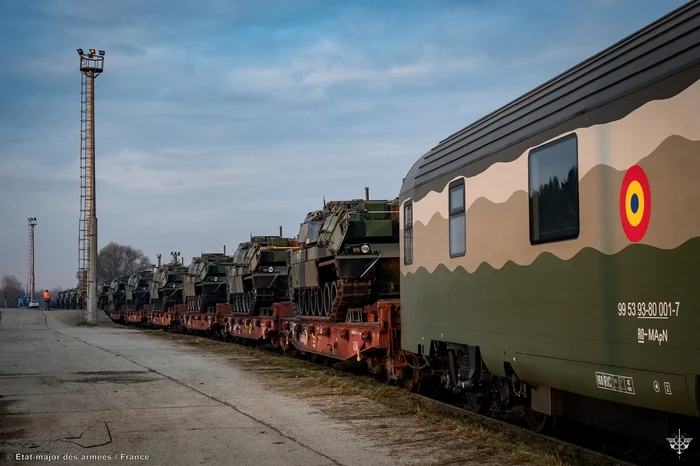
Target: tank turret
point(137, 291)
point(259, 276)
point(348, 258)
point(205, 283)
point(117, 293)
point(166, 286)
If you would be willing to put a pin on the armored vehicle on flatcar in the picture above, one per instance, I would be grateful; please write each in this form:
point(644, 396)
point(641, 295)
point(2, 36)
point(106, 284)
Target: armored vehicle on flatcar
point(73, 299)
point(348, 257)
point(138, 290)
point(103, 295)
point(258, 277)
point(205, 283)
point(117, 293)
point(166, 287)
point(60, 300)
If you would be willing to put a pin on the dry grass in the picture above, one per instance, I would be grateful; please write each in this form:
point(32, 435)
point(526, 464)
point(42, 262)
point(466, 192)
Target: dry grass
point(390, 416)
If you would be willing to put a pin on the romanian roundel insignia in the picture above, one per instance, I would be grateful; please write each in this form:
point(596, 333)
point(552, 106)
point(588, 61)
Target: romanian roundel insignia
point(635, 203)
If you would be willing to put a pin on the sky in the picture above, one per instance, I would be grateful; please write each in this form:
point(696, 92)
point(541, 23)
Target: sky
point(216, 119)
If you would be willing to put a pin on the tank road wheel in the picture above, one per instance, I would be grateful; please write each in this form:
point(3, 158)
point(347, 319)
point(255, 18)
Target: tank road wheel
point(199, 303)
point(317, 301)
point(480, 404)
point(334, 294)
point(302, 301)
point(327, 299)
point(539, 422)
point(249, 302)
point(312, 301)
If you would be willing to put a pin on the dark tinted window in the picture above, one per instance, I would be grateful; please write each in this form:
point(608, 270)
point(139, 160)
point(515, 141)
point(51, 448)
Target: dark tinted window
point(554, 196)
point(458, 220)
point(408, 233)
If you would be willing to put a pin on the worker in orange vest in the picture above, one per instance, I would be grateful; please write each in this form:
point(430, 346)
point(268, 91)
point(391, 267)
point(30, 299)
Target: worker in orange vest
point(47, 298)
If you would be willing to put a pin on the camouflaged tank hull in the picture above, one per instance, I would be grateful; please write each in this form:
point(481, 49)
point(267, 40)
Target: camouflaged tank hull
point(612, 312)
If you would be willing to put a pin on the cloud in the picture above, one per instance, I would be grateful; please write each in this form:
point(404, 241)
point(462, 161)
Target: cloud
point(215, 119)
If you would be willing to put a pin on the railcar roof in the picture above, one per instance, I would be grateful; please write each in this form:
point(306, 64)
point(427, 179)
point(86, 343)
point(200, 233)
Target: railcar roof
point(592, 83)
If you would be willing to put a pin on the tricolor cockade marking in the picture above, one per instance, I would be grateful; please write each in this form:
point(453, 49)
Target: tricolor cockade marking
point(635, 203)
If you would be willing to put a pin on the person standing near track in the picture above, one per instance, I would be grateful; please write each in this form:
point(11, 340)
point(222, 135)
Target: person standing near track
point(47, 298)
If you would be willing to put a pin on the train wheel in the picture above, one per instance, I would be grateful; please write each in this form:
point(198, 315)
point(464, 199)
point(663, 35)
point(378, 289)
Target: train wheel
point(409, 384)
point(539, 422)
point(480, 404)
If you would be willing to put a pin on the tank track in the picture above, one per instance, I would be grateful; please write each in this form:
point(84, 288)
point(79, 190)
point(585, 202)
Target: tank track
point(257, 302)
point(341, 294)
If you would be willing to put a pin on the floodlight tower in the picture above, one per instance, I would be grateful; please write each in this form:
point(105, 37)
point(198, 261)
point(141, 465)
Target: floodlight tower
point(91, 66)
point(30, 287)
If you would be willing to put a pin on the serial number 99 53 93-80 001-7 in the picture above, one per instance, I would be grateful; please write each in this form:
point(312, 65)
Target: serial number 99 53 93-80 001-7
point(649, 310)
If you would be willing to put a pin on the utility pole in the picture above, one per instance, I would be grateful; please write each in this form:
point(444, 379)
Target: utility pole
point(91, 66)
point(30, 291)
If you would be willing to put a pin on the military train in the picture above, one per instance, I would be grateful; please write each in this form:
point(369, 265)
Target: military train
point(544, 257)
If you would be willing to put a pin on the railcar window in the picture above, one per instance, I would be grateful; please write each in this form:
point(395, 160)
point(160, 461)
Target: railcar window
point(458, 220)
point(554, 191)
point(408, 233)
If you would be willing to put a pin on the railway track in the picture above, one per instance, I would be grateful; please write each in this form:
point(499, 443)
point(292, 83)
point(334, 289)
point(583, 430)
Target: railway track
point(464, 412)
point(588, 441)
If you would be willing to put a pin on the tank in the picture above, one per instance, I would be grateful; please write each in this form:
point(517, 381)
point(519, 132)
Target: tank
point(205, 283)
point(117, 293)
point(73, 299)
point(348, 257)
point(103, 295)
point(59, 299)
point(259, 276)
point(138, 290)
point(166, 286)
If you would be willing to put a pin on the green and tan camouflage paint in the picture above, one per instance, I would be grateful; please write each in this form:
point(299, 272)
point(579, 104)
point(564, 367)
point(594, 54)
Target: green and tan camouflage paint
point(553, 311)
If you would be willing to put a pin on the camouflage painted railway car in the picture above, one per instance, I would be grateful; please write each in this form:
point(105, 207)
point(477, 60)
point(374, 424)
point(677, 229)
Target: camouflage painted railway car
point(258, 277)
point(348, 257)
point(205, 283)
point(138, 290)
point(555, 242)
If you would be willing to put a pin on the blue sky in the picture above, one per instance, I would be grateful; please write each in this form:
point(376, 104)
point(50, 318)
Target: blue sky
point(218, 118)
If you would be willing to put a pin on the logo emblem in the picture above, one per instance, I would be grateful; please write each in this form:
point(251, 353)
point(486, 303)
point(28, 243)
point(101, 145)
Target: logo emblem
point(679, 443)
point(635, 203)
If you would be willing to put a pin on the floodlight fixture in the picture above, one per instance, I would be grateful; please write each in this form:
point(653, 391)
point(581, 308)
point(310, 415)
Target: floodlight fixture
point(92, 51)
point(80, 52)
point(102, 52)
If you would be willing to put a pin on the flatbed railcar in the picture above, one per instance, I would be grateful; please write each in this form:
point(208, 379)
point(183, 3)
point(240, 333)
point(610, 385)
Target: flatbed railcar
point(548, 252)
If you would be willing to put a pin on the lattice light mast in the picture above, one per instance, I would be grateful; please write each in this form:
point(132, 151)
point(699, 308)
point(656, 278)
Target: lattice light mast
point(30, 281)
point(91, 66)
